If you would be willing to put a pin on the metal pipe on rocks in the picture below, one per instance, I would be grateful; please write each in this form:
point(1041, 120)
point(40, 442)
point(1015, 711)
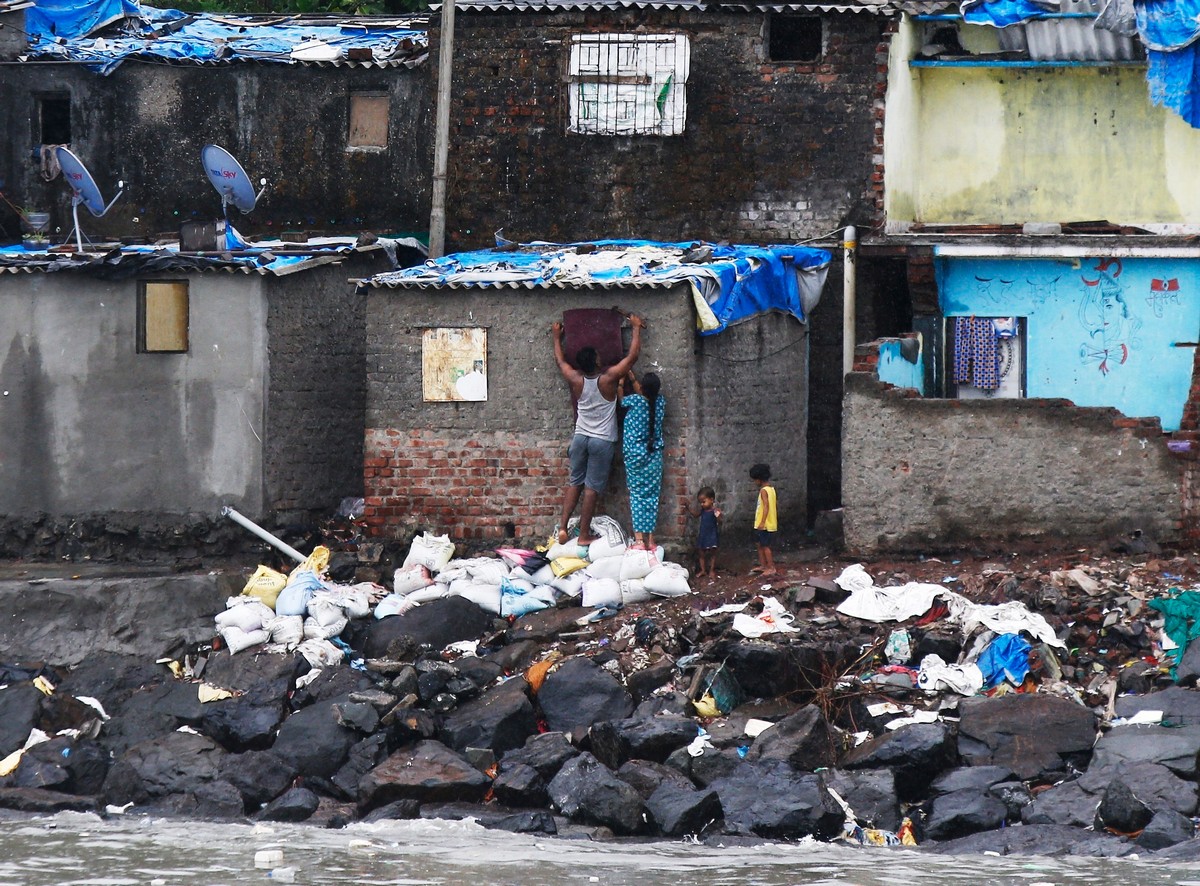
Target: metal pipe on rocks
point(247, 523)
point(849, 293)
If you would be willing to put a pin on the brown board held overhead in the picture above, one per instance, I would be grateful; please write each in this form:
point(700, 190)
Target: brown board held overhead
point(599, 328)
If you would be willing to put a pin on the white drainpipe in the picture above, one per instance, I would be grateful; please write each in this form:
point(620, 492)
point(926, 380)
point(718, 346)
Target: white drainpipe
point(849, 290)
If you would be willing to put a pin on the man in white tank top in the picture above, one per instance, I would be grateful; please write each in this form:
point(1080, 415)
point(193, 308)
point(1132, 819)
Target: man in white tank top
point(595, 437)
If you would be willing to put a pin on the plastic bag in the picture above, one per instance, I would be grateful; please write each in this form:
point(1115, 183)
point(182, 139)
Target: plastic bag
point(566, 565)
point(517, 601)
point(668, 580)
point(316, 563)
point(543, 576)
point(411, 579)
point(484, 596)
point(433, 592)
point(237, 639)
point(249, 615)
point(569, 585)
point(293, 600)
point(395, 604)
point(600, 592)
point(265, 584)
point(431, 551)
point(558, 551)
point(634, 591)
point(608, 567)
point(316, 629)
point(637, 564)
point(286, 630)
point(603, 549)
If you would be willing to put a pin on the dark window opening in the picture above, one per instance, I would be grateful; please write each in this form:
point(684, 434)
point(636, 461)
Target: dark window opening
point(794, 38)
point(54, 114)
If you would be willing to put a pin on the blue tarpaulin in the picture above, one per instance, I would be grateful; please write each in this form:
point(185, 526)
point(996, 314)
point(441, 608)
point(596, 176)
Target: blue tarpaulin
point(729, 283)
point(169, 34)
point(1002, 13)
point(1006, 658)
point(1169, 30)
point(1167, 25)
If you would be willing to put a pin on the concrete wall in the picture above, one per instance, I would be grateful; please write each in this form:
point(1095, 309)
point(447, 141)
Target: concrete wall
point(146, 124)
point(922, 475)
point(1003, 145)
point(484, 470)
point(90, 425)
point(771, 152)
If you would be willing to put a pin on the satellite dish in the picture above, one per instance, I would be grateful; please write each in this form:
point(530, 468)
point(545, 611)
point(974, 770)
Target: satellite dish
point(83, 190)
point(230, 180)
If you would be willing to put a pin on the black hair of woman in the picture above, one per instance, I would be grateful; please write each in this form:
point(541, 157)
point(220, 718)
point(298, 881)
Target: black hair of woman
point(651, 384)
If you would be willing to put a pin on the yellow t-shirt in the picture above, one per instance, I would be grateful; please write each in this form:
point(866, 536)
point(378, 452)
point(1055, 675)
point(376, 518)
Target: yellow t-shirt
point(766, 518)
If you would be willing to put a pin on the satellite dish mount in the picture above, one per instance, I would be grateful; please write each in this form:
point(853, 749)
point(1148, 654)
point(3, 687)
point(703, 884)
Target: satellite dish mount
point(83, 190)
point(230, 180)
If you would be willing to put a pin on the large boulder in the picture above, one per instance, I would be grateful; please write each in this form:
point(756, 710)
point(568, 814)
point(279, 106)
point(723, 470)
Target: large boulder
point(1177, 749)
point(1121, 811)
point(501, 720)
point(1065, 804)
point(1037, 839)
point(244, 723)
point(520, 785)
point(435, 624)
point(178, 763)
point(765, 669)
point(676, 810)
point(771, 799)
point(1180, 706)
point(43, 802)
point(259, 776)
point(1156, 785)
point(20, 707)
point(804, 739)
point(546, 753)
point(363, 757)
point(268, 674)
point(1031, 734)
point(428, 772)
point(74, 767)
point(111, 677)
point(916, 754)
point(314, 741)
point(651, 738)
point(963, 812)
point(586, 790)
point(154, 711)
point(1167, 828)
point(297, 804)
point(871, 793)
point(646, 777)
point(580, 693)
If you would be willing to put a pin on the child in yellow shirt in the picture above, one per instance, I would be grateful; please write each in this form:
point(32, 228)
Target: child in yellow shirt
point(766, 519)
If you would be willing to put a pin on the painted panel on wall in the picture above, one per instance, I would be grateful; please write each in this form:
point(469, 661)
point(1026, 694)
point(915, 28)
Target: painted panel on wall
point(896, 370)
point(1101, 331)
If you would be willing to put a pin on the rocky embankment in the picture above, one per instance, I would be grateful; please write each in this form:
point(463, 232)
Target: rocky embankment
point(710, 714)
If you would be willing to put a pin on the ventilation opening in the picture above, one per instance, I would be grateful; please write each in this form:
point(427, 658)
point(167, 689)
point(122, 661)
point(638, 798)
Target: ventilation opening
point(794, 38)
point(54, 114)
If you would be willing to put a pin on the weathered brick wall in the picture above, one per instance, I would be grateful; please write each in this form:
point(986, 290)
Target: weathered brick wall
point(316, 388)
point(483, 471)
point(922, 474)
point(771, 152)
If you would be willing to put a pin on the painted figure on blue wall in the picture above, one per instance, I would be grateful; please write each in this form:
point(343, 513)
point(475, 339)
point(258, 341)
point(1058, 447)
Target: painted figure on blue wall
point(1163, 294)
point(1104, 315)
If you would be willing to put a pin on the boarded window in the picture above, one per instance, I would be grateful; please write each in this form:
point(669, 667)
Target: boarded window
point(368, 120)
point(628, 84)
point(794, 38)
point(54, 119)
point(163, 317)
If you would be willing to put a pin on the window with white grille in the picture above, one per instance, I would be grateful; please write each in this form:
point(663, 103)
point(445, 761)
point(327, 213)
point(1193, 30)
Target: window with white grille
point(628, 84)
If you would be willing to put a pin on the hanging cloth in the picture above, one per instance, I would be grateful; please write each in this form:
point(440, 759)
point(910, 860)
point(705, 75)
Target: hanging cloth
point(976, 357)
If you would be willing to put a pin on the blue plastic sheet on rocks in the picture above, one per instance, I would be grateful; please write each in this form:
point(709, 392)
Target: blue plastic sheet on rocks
point(172, 35)
point(730, 283)
point(1005, 658)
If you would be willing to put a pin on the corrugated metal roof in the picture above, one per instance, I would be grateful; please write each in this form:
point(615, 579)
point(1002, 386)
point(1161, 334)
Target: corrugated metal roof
point(874, 6)
point(133, 261)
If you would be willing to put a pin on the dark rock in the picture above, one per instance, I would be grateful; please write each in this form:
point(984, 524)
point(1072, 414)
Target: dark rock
point(963, 812)
point(1167, 828)
point(151, 713)
point(381, 701)
point(515, 656)
point(871, 793)
point(1177, 749)
point(708, 767)
point(409, 725)
point(586, 790)
point(363, 757)
point(44, 802)
point(654, 739)
point(1155, 785)
point(1180, 706)
point(259, 776)
point(216, 800)
point(1136, 679)
point(482, 759)
point(20, 708)
point(399, 810)
point(1014, 795)
point(405, 682)
point(520, 785)
point(1064, 804)
point(579, 693)
point(270, 674)
point(665, 703)
point(827, 590)
point(644, 682)
point(314, 741)
point(333, 814)
point(1037, 839)
point(546, 753)
point(243, 724)
point(546, 624)
point(428, 772)
point(770, 799)
point(646, 777)
point(331, 683)
point(676, 810)
point(481, 672)
point(432, 681)
point(35, 772)
point(1188, 668)
point(1029, 733)
point(764, 668)
point(935, 642)
point(111, 678)
point(359, 716)
point(916, 754)
point(177, 763)
point(541, 822)
point(435, 624)
point(1120, 811)
point(973, 778)
point(298, 804)
point(59, 712)
point(500, 720)
point(805, 739)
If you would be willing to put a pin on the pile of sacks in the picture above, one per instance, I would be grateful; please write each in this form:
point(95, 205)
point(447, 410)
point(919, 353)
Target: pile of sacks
point(605, 575)
point(303, 611)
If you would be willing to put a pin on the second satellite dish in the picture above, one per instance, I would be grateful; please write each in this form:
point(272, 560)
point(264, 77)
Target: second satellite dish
point(83, 190)
point(230, 180)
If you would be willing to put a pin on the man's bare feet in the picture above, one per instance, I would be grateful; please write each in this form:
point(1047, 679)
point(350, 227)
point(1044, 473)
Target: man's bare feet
point(563, 535)
point(585, 542)
point(768, 573)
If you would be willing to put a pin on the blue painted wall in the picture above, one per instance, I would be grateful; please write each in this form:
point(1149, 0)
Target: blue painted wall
point(895, 370)
point(1099, 331)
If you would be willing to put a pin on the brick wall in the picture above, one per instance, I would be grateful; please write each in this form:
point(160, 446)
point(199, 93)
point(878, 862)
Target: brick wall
point(771, 152)
point(923, 474)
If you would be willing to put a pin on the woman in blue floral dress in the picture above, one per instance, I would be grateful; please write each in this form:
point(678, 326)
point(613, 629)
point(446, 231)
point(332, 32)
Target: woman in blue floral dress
point(642, 446)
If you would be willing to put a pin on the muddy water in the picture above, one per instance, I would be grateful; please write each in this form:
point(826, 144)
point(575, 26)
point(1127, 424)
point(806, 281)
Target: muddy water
point(83, 849)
